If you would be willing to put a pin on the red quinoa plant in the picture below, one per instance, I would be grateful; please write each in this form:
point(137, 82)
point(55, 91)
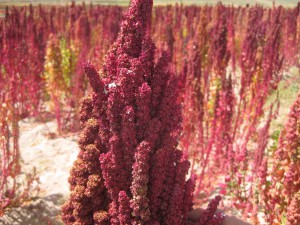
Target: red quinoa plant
point(19, 38)
point(291, 36)
point(16, 86)
point(82, 42)
point(129, 170)
point(10, 152)
point(223, 112)
point(282, 195)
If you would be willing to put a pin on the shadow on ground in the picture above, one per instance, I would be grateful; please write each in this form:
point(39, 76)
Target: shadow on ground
point(41, 211)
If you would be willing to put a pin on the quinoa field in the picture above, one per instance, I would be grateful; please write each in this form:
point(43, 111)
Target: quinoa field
point(149, 112)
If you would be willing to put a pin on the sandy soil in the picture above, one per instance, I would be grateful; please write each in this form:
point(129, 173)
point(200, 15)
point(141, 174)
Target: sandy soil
point(52, 158)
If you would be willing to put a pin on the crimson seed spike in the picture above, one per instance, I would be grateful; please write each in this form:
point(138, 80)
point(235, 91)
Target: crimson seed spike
point(120, 176)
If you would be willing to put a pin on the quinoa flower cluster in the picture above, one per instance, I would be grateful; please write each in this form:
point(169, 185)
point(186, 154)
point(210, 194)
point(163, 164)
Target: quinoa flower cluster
point(129, 169)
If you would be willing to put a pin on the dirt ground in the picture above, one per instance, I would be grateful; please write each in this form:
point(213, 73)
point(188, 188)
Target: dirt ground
point(52, 159)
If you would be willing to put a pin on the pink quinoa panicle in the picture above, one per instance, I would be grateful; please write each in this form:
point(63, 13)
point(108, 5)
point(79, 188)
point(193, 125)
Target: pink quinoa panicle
point(285, 174)
point(129, 170)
